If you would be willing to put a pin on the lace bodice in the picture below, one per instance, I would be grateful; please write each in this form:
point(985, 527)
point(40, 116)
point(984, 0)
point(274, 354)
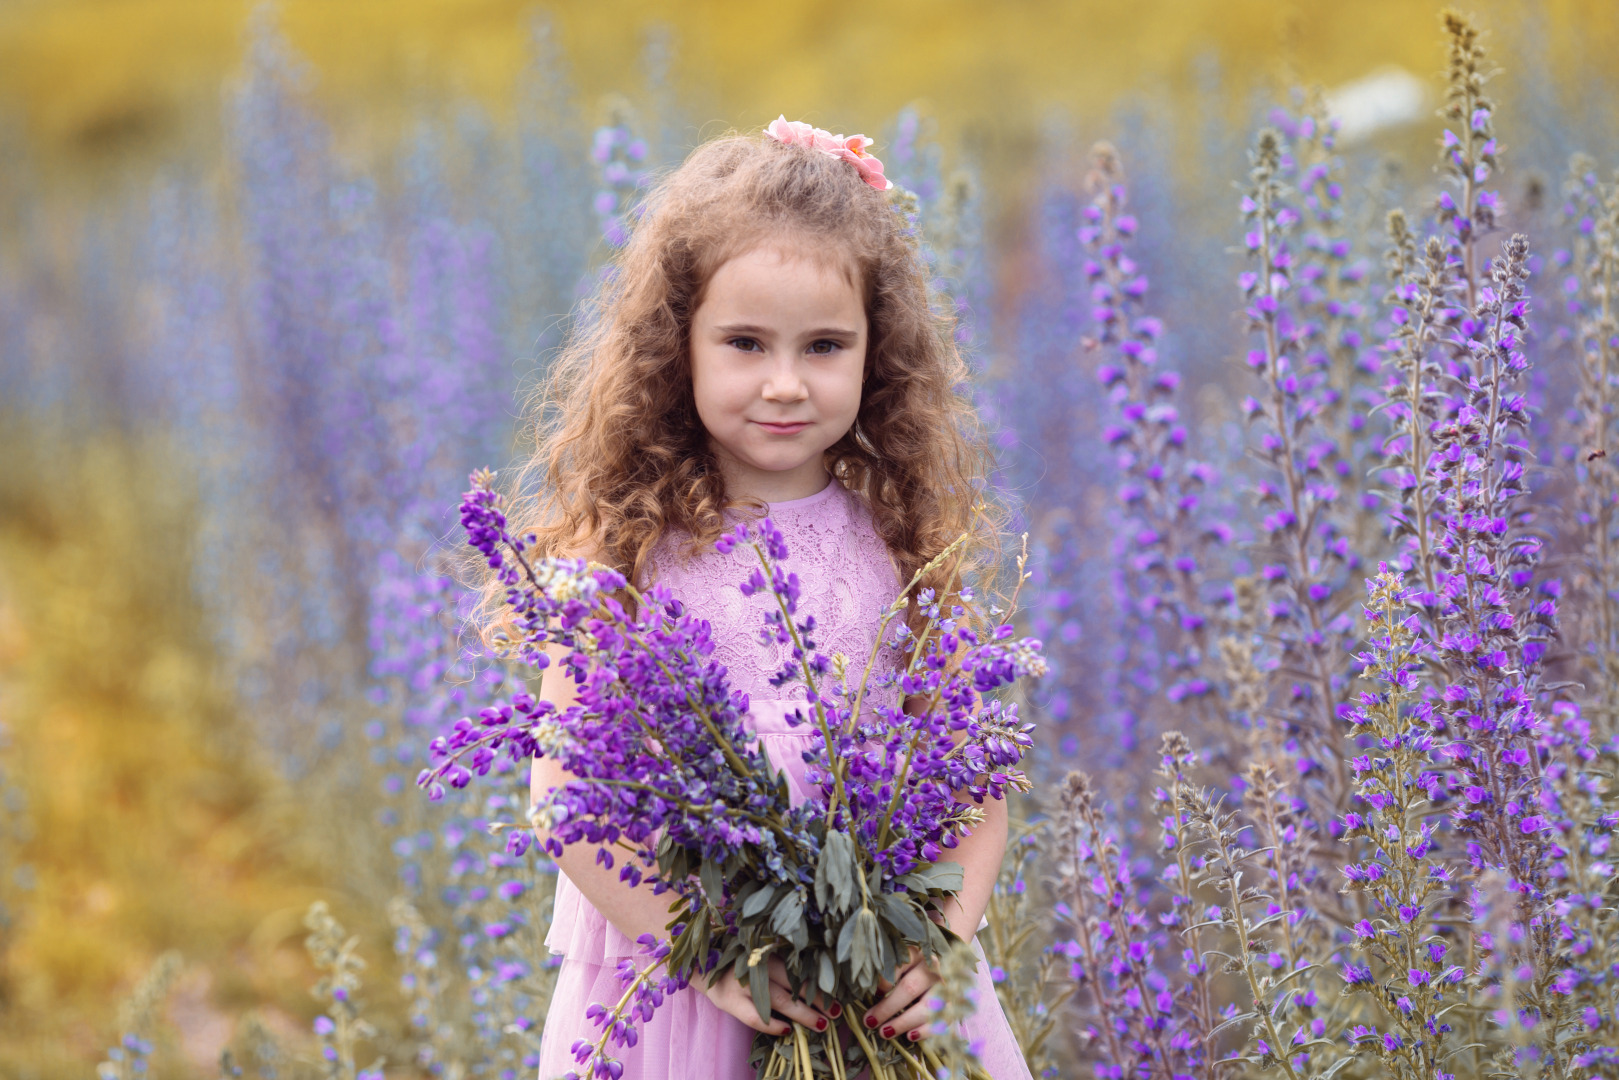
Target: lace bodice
point(847, 580)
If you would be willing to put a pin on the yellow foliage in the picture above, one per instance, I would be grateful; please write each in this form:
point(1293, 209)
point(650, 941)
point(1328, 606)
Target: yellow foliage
point(84, 74)
point(154, 827)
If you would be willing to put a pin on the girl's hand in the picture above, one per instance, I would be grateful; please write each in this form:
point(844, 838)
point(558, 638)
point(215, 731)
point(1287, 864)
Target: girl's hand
point(733, 997)
point(903, 1011)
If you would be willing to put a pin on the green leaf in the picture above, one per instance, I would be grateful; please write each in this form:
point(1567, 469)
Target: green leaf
point(902, 915)
point(834, 874)
point(887, 957)
point(679, 863)
point(1200, 925)
point(732, 952)
point(845, 941)
point(939, 877)
point(864, 949)
point(788, 918)
point(829, 973)
point(700, 938)
point(1336, 1067)
point(681, 949)
point(1266, 921)
point(758, 901)
point(713, 882)
point(759, 985)
point(1295, 973)
point(1234, 1020)
point(1279, 1005)
point(1458, 1050)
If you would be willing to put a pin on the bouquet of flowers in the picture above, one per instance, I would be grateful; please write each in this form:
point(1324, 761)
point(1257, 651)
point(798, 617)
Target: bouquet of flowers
point(669, 786)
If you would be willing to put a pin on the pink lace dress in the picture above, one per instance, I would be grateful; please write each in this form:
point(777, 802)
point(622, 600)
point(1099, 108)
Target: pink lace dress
point(848, 579)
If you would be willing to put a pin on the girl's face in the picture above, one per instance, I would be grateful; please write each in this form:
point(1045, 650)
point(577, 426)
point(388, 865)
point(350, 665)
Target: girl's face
point(778, 353)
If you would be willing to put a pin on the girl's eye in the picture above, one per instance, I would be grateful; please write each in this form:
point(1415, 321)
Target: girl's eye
point(746, 344)
point(830, 345)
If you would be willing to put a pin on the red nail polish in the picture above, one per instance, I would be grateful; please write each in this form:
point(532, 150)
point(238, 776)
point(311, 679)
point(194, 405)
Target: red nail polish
point(888, 1031)
point(836, 1010)
point(871, 1021)
point(915, 1036)
point(820, 1025)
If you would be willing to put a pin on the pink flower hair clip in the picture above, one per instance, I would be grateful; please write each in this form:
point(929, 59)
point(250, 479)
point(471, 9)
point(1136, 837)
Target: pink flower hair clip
point(851, 148)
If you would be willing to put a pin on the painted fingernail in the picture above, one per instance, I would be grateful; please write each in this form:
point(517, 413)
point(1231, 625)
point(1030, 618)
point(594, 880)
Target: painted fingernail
point(915, 1036)
point(888, 1031)
point(836, 1010)
point(871, 1021)
point(820, 1025)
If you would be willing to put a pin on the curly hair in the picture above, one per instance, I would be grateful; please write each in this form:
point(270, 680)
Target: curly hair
point(619, 456)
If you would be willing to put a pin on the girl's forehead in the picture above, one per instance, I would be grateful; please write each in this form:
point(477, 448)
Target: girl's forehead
point(824, 252)
point(766, 287)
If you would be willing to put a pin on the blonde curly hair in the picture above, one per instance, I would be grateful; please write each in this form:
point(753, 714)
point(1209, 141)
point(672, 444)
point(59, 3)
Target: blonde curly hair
point(618, 455)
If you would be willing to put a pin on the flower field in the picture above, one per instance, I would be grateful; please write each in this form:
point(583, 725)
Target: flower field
point(1314, 454)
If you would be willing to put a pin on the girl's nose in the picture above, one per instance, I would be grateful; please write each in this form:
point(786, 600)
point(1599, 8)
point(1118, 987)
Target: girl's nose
point(784, 383)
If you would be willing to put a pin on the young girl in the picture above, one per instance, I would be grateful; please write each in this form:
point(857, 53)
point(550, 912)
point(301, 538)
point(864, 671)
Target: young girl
point(763, 345)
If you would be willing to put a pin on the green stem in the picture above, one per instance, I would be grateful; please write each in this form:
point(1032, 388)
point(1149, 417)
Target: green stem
point(618, 1010)
point(1261, 1006)
point(1194, 937)
point(933, 703)
point(834, 1052)
point(809, 683)
point(639, 785)
point(897, 607)
point(879, 1071)
point(1302, 528)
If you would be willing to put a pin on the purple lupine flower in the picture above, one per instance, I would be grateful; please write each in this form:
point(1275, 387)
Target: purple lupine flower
point(701, 810)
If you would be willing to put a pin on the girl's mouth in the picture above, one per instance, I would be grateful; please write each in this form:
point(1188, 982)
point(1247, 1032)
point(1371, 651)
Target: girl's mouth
point(783, 429)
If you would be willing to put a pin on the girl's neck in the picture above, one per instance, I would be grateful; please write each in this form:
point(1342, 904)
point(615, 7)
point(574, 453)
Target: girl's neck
point(788, 485)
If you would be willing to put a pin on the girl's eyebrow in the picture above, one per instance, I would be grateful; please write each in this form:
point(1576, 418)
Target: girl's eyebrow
point(823, 331)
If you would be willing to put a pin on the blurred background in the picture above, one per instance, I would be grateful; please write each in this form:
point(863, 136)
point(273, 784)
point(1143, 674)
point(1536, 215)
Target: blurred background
point(273, 280)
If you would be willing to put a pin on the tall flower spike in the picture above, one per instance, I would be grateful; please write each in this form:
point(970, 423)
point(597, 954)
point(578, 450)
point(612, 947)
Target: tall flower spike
point(1304, 533)
point(621, 157)
point(1163, 534)
point(1468, 150)
point(1406, 958)
point(1134, 1018)
point(1592, 286)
